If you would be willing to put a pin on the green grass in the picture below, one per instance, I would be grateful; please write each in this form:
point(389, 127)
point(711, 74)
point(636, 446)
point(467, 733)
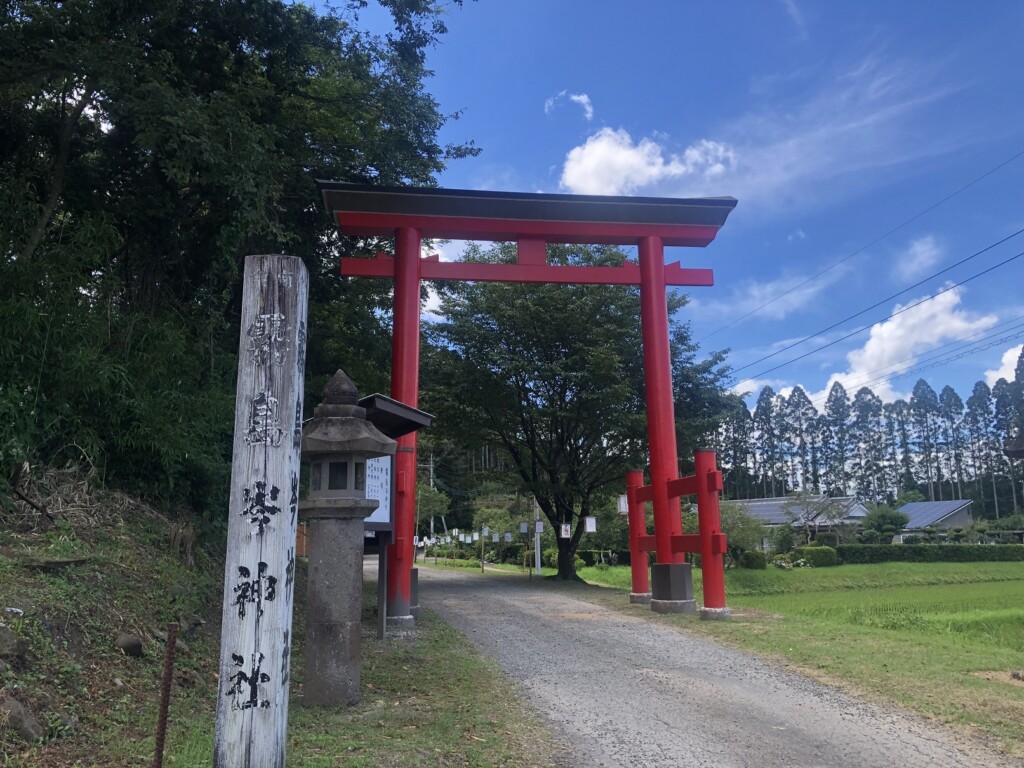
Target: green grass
point(428, 698)
point(938, 638)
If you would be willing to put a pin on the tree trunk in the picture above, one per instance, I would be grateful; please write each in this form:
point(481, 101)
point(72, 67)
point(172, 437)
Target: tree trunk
point(566, 561)
point(995, 494)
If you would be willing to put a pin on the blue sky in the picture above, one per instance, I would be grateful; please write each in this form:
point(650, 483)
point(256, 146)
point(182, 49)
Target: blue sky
point(833, 124)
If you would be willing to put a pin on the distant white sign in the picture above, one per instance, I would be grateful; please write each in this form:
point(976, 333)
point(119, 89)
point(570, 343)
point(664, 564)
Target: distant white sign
point(378, 486)
point(495, 538)
point(508, 537)
point(591, 524)
point(566, 531)
point(540, 527)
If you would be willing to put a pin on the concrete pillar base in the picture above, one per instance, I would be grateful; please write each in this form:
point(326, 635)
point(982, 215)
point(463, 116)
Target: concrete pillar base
point(639, 598)
point(402, 622)
point(674, 606)
point(414, 591)
point(672, 581)
point(715, 614)
point(398, 607)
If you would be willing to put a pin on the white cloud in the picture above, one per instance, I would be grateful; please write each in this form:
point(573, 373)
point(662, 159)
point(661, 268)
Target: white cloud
point(584, 101)
point(917, 258)
point(753, 387)
point(797, 17)
point(894, 344)
point(750, 295)
point(445, 250)
point(610, 163)
point(798, 235)
point(576, 98)
point(793, 151)
point(1007, 366)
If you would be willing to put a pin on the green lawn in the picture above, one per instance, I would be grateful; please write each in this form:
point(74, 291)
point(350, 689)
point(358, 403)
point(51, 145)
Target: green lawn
point(939, 638)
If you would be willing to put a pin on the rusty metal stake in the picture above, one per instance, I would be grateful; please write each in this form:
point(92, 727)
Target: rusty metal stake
point(165, 694)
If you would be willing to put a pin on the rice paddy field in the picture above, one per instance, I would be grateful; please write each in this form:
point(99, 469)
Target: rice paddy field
point(943, 639)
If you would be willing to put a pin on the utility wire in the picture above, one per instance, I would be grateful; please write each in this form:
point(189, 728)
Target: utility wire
point(952, 358)
point(934, 361)
point(863, 248)
point(877, 304)
point(931, 355)
point(889, 317)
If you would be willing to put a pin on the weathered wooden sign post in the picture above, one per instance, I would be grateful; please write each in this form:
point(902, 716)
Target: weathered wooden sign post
point(252, 700)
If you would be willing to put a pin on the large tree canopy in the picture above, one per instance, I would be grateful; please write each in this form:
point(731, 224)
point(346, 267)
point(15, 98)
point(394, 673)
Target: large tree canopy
point(145, 149)
point(554, 374)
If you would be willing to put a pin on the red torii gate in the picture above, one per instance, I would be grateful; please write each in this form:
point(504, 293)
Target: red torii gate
point(532, 221)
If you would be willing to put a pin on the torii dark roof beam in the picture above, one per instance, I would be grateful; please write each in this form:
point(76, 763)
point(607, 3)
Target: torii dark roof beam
point(530, 220)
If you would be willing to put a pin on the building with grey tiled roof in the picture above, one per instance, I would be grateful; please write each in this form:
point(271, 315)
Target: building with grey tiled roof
point(781, 511)
point(938, 514)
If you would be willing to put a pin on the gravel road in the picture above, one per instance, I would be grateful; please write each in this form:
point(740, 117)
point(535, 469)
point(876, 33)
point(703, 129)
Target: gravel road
point(624, 690)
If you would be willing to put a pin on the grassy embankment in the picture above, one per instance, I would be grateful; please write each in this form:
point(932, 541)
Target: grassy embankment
point(429, 699)
point(939, 638)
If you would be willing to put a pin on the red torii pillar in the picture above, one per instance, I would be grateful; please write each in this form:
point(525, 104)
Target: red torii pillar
point(405, 387)
point(533, 221)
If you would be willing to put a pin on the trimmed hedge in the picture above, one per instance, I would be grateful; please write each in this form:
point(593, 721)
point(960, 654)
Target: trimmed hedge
point(753, 559)
point(593, 556)
point(816, 557)
point(826, 539)
point(929, 553)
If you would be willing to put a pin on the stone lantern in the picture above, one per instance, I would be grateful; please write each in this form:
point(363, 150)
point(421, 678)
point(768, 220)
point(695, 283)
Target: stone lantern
point(336, 443)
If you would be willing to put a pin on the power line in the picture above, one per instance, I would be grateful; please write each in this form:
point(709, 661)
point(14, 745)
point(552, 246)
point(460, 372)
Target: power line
point(877, 304)
point(889, 317)
point(935, 361)
point(863, 248)
point(931, 355)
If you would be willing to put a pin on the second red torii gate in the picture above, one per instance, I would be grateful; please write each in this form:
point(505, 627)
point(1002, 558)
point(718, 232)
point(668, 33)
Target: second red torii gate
point(533, 221)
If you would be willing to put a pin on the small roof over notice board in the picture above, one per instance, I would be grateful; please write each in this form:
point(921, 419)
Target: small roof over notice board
point(393, 418)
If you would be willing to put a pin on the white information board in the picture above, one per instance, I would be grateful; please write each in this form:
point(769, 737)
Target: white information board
point(378, 486)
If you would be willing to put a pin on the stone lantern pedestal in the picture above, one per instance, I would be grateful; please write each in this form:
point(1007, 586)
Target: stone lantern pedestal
point(336, 442)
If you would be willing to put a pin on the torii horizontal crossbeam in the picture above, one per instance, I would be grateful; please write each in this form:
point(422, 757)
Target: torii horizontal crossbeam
point(432, 268)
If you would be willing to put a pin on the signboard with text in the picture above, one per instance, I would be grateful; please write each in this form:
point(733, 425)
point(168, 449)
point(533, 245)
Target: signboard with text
point(379, 486)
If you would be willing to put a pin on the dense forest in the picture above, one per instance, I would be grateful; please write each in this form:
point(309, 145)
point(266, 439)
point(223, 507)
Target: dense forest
point(934, 443)
point(145, 149)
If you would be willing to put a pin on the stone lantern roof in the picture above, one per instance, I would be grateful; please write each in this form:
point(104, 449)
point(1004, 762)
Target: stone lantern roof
point(339, 425)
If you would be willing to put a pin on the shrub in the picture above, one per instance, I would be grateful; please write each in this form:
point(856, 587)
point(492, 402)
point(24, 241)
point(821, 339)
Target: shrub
point(513, 553)
point(817, 557)
point(784, 538)
point(753, 559)
point(550, 557)
point(827, 539)
point(930, 553)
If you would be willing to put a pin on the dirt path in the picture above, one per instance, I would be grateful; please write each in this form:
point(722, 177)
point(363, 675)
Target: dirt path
point(622, 690)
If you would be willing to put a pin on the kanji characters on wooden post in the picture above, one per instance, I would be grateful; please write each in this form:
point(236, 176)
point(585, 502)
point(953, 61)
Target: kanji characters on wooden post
point(252, 700)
